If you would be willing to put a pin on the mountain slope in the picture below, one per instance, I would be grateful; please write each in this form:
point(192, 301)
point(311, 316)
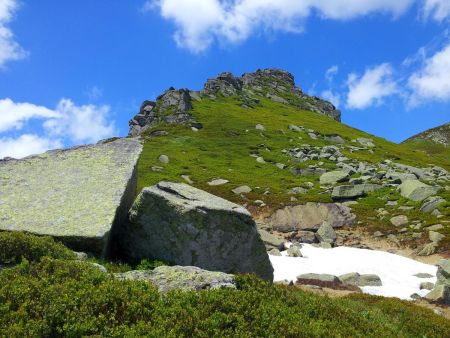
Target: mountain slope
point(439, 135)
point(273, 147)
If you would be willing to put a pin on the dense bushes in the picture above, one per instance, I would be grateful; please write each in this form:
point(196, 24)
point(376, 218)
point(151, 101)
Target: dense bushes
point(73, 298)
point(17, 245)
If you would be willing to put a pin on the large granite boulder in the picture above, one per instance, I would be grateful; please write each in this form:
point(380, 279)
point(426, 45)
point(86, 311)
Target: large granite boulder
point(310, 216)
point(186, 278)
point(183, 225)
point(416, 190)
point(79, 195)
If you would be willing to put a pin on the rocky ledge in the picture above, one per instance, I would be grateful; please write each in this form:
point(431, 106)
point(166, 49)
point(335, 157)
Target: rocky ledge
point(174, 106)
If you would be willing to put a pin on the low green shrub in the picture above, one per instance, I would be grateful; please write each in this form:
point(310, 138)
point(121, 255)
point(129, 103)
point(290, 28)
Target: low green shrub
point(55, 298)
point(149, 264)
point(17, 245)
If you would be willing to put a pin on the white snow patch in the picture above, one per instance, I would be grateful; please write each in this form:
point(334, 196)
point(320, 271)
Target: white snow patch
point(396, 272)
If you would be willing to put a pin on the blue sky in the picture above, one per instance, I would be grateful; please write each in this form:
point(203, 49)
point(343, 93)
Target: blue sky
point(74, 72)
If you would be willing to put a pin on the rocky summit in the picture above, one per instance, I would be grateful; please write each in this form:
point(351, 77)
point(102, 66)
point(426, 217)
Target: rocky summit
point(78, 195)
point(174, 106)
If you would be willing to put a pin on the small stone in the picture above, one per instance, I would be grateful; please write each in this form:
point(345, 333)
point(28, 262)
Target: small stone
point(435, 237)
point(391, 203)
point(326, 233)
point(426, 286)
point(260, 160)
point(281, 166)
point(306, 237)
point(218, 181)
point(333, 177)
point(298, 190)
point(399, 220)
point(156, 168)
point(243, 189)
point(187, 178)
point(260, 127)
point(423, 275)
point(378, 234)
point(294, 251)
point(163, 159)
point(428, 249)
point(319, 277)
point(435, 227)
point(274, 252)
point(100, 267)
point(369, 280)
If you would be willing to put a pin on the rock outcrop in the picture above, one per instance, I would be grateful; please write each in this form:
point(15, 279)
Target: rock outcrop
point(310, 216)
point(180, 224)
point(438, 135)
point(78, 195)
point(174, 106)
point(186, 278)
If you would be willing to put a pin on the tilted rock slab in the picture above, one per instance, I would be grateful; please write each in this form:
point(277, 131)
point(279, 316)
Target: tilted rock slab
point(183, 225)
point(186, 278)
point(77, 195)
point(310, 216)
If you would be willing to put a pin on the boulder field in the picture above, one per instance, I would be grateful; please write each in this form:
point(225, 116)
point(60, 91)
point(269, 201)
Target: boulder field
point(85, 196)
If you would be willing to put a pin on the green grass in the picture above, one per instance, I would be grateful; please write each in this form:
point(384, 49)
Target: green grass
point(59, 298)
point(223, 147)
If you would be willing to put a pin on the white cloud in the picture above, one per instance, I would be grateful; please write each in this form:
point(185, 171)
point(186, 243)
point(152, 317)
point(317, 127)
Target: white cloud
point(87, 123)
point(370, 88)
point(14, 115)
point(433, 80)
point(26, 144)
point(331, 73)
point(10, 50)
point(334, 98)
point(200, 22)
point(67, 124)
point(439, 10)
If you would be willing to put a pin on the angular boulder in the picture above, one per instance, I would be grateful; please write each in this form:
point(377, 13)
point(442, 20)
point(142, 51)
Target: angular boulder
point(186, 278)
point(79, 195)
point(344, 192)
point(310, 216)
point(180, 224)
point(416, 190)
point(333, 177)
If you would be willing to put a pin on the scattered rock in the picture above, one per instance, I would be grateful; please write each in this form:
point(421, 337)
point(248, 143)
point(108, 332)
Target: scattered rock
point(163, 159)
point(323, 277)
point(334, 177)
point(443, 272)
point(431, 203)
point(243, 189)
point(353, 191)
point(428, 249)
point(274, 252)
point(186, 278)
point(294, 251)
point(187, 178)
point(326, 234)
point(100, 267)
point(416, 190)
point(426, 286)
point(260, 127)
point(260, 160)
point(178, 223)
point(399, 220)
point(440, 294)
point(369, 280)
point(366, 142)
point(435, 237)
point(218, 181)
point(310, 216)
point(306, 237)
point(271, 241)
point(435, 227)
point(423, 275)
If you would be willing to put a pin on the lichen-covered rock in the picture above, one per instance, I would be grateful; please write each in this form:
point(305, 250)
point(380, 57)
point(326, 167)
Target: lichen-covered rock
point(343, 192)
point(310, 216)
point(416, 190)
point(77, 195)
point(326, 234)
point(186, 278)
point(183, 225)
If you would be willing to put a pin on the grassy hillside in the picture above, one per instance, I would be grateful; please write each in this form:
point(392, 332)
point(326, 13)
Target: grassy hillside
point(63, 297)
point(223, 149)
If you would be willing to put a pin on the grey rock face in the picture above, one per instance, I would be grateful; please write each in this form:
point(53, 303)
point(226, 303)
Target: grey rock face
point(443, 273)
point(79, 195)
point(183, 225)
point(173, 106)
point(416, 190)
point(343, 192)
point(310, 216)
point(438, 135)
point(186, 278)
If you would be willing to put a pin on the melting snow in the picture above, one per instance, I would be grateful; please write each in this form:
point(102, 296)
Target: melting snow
point(396, 272)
